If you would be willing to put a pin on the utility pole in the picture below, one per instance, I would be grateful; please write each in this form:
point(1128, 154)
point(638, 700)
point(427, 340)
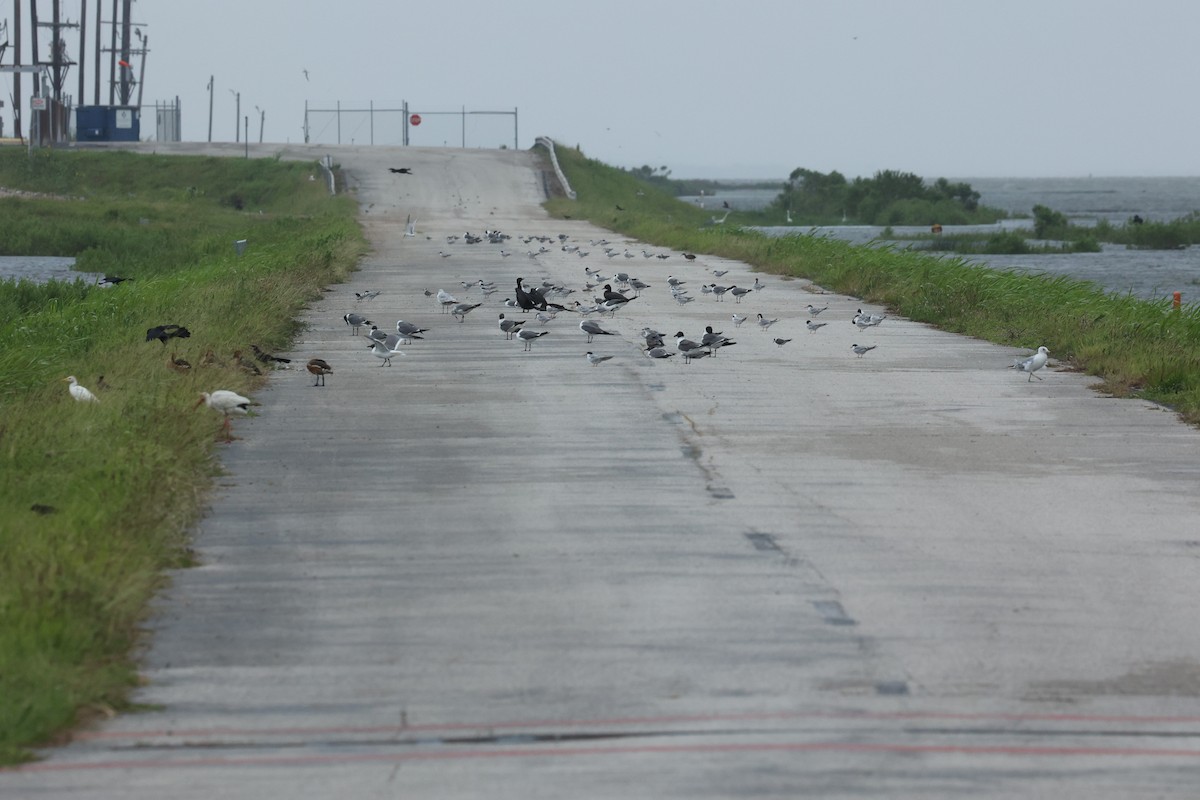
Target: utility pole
point(82, 45)
point(17, 75)
point(210, 106)
point(237, 121)
point(96, 57)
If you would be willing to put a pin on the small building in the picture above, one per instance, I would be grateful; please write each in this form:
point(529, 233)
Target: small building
point(108, 123)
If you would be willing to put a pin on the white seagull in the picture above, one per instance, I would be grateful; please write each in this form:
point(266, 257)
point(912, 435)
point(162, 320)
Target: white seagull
point(386, 350)
point(1031, 364)
point(80, 393)
point(446, 300)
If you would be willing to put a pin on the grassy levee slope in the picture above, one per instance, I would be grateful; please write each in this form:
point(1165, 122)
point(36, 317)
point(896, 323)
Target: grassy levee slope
point(1135, 347)
point(96, 500)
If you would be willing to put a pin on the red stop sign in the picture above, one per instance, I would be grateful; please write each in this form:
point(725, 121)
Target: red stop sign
point(415, 119)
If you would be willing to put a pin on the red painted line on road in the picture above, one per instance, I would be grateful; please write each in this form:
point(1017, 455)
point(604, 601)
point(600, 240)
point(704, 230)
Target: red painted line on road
point(560, 752)
point(196, 733)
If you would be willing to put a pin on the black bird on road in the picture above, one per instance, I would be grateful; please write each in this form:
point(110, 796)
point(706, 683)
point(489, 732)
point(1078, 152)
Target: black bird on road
point(400, 170)
point(610, 294)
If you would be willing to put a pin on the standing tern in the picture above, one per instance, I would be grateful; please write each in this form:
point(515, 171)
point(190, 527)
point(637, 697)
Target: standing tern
point(861, 350)
point(593, 328)
point(594, 359)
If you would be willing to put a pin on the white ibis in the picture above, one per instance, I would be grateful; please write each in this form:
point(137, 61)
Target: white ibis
point(80, 393)
point(228, 403)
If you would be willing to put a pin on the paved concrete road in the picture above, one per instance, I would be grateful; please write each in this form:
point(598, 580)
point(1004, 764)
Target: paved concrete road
point(780, 571)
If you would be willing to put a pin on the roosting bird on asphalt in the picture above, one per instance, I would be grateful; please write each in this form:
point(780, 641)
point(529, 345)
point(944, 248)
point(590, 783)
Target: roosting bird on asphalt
point(461, 310)
point(510, 326)
point(408, 331)
point(594, 359)
point(861, 350)
point(400, 170)
point(527, 336)
point(268, 358)
point(320, 368)
point(386, 350)
point(592, 328)
point(1032, 363)
point(355, 321)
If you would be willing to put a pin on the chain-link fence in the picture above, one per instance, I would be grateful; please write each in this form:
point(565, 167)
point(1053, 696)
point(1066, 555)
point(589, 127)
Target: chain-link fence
point(407, 126)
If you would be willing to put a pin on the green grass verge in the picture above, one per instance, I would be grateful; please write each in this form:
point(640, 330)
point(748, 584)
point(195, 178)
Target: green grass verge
point(1135, 347)
point(127, 477)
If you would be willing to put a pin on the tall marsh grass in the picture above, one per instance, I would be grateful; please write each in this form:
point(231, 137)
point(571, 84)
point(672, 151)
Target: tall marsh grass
point(95, 500)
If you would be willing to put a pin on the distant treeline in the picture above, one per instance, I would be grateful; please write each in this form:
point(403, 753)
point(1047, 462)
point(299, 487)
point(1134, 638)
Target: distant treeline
point(887, 198)
point(815, 198)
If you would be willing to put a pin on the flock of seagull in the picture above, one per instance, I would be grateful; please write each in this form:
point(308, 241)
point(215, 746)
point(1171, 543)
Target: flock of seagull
point(531, 310)
point(606, 294)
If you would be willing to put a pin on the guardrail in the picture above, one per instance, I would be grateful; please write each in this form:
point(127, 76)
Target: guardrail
point(548, 143)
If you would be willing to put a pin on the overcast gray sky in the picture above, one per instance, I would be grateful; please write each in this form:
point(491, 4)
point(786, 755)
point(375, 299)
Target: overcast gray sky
point(737, 88)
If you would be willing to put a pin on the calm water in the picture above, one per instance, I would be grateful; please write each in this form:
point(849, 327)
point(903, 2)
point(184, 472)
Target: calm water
point(1150, 274)
point(40, 269)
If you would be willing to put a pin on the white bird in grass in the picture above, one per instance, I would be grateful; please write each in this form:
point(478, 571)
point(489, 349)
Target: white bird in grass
point(861, 350)
point(1030, 364)
point(80, 393)
point(594, 359)
point(228, 403)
